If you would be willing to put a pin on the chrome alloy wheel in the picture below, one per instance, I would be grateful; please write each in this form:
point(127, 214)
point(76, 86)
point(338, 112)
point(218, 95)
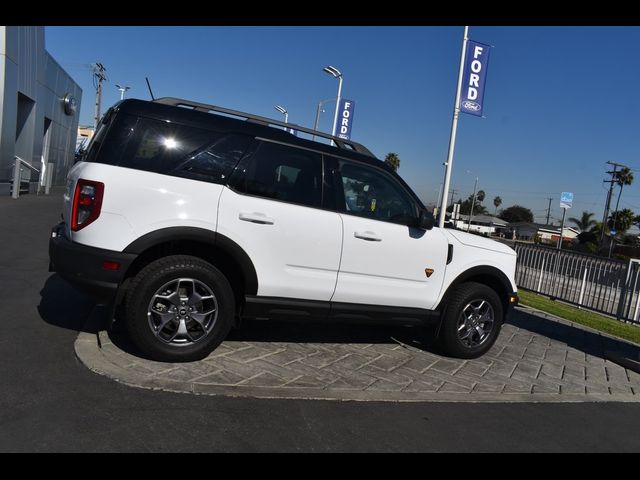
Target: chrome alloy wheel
point(475, 323)
point(182, 312)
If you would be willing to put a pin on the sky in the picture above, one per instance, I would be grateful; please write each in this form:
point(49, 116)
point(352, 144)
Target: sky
point(559, 101)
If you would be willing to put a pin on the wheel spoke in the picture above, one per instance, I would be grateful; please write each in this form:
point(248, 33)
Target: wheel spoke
point(480, 331)
point(200, 317)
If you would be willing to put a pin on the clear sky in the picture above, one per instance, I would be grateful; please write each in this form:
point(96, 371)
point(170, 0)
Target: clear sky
point(559, 101)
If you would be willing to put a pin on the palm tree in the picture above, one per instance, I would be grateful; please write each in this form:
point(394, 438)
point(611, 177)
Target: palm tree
point(392, 160)
point(585, 223)
point(622, 178)
point(480, 196)
point(496, 203)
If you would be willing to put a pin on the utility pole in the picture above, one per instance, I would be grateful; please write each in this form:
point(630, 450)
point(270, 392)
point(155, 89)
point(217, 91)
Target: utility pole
point(98, 77)
point(549, 210)
point(473, 203)
point(611, 182)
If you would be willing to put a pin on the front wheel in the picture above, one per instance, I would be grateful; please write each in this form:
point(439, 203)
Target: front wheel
point(471, 322)
point(179, 309)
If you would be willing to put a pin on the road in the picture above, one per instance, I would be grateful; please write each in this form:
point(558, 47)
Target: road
point(49, 402)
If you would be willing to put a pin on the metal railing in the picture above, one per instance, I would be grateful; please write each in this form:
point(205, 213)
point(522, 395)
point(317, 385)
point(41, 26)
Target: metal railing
point(17, 174)
point(605, 285)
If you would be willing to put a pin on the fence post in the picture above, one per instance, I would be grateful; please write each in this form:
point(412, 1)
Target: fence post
point(584, 282)
point(541, 274)
point(623, 293)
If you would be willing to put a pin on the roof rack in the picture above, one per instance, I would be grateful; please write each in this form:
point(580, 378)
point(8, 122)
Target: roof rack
point(203, 107)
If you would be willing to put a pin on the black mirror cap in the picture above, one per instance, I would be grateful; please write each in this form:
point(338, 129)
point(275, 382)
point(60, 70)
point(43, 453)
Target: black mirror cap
point(426, 220)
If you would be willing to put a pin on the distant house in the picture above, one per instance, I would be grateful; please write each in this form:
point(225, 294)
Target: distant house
point(481, 224)
point(548, 233)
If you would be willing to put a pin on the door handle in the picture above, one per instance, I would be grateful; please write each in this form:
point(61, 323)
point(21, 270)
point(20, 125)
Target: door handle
point(256, 217)
point(369, 236)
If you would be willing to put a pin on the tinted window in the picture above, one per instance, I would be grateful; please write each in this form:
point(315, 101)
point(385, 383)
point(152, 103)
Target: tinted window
point(215, 162)
point(109, 148)
point(161, 146)
point(283, 173)
point(371, 193)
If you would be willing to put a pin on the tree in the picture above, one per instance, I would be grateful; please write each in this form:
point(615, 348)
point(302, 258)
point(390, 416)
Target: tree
point(480, 196)
point(621, 220)
point(392, 160)
point(585, 223)
point(516, 213)
point(623, 177)
point(496, 203)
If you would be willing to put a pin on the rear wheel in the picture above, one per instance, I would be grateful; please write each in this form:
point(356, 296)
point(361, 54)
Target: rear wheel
point(471, 322)
point(179, 309)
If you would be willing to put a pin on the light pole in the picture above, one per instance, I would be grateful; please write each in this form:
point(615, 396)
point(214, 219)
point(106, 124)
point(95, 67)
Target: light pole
point(473, 200)
point(283, 111)
point(318, 110)
point(122, 89)
point(336, 74)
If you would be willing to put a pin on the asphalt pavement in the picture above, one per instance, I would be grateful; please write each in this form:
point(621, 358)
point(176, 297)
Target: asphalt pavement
point(50, 402)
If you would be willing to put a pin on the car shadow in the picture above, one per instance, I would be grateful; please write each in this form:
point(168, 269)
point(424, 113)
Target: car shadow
point(65, 307)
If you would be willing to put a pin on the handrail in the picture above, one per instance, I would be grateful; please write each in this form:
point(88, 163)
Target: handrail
point(26, 164)
point(17, 175)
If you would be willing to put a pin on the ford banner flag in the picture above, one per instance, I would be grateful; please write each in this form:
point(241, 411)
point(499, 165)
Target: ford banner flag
point(345, 118)
point(473, 78)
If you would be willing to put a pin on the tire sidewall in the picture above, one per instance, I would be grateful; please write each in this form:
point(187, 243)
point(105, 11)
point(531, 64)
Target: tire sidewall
point(464, 294)
point(150, 283)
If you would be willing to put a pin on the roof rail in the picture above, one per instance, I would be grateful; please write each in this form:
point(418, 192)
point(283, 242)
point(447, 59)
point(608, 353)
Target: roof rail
point(204, 107)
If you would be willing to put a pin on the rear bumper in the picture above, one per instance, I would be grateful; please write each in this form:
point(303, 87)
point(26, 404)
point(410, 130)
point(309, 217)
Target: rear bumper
point(82, 266)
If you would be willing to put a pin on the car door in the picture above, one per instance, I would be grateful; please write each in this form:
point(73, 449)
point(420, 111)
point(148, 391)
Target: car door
point(274, 211)
point(384, 260)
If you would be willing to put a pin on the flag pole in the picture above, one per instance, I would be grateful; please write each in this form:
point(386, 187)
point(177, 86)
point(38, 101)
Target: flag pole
point(454, 129)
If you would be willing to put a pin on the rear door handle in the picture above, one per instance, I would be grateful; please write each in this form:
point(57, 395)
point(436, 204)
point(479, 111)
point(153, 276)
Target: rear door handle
point(256, 217)
point(369, 236)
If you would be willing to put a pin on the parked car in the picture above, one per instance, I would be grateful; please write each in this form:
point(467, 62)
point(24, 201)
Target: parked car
point(188, 217)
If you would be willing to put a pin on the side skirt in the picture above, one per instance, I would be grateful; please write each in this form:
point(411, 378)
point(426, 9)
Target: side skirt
point(280, 308)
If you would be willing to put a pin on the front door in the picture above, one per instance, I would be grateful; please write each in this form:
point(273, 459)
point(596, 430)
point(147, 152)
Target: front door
point(385, 261)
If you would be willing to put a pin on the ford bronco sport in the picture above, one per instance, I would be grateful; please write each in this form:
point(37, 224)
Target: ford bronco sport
point(189, 216)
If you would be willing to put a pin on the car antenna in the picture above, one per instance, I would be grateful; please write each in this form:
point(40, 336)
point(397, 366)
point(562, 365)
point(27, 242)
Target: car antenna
point(149, 86)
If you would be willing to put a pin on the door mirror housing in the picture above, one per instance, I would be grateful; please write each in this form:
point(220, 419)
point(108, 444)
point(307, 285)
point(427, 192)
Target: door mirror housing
point(426, 220)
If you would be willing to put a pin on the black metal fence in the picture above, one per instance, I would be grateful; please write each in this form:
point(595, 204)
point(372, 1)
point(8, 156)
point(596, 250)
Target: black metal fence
point(605, 285)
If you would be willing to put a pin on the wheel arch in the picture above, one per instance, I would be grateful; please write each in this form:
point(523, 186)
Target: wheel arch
point(210, 246)
point(486, 275)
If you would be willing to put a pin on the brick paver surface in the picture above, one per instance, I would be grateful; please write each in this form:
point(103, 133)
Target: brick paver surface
point(533, 355)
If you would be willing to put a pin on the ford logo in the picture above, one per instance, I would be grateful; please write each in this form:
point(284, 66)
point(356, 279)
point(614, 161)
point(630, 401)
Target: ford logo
point(469, 105)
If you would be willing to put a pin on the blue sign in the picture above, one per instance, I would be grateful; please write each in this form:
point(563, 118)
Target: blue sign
point(473, 79)
point(345, 118)
point(566, 199)
point(613, 231)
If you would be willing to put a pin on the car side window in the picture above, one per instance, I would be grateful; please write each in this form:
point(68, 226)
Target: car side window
point(283, 173)
point(370, 193)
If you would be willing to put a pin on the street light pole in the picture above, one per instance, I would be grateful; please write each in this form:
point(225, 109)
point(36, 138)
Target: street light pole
point(336, 74)
point(318, 110)
point(283, 111)
point(122, 89)
point(473, 203)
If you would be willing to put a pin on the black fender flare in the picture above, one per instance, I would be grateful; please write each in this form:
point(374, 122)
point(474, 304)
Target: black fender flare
point(201, 235)
point(481, 271)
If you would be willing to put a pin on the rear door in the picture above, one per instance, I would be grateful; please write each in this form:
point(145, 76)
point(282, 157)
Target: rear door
point(274, 211)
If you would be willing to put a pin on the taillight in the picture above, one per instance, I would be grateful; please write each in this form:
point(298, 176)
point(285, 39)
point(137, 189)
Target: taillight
point(87, 202)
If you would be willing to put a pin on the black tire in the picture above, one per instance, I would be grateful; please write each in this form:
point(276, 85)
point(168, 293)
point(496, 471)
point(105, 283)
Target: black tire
point(469, 295)
point(168, 270)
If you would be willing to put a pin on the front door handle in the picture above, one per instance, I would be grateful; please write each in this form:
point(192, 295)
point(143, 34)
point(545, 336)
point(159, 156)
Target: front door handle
point(369, 236)
point(256, 217)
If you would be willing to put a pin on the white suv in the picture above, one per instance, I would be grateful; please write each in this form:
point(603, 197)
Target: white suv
point(188, 218)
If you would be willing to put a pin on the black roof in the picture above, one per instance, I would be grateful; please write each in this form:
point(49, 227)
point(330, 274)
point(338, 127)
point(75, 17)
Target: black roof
point(201, 116)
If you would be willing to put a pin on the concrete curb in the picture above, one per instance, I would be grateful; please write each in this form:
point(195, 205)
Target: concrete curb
point(88, 348)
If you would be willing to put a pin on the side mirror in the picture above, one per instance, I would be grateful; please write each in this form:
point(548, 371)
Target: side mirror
point(426, 220)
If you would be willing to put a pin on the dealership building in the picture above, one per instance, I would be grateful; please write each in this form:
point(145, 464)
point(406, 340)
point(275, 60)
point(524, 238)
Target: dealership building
point(39, 108)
